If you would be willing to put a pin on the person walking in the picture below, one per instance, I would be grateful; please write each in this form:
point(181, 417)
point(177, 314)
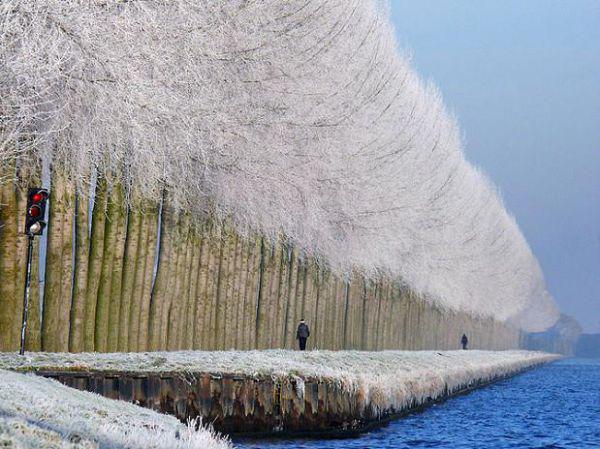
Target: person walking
point(302, 334)
point(465, 341)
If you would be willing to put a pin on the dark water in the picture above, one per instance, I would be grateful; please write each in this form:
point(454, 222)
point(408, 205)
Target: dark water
point(556, 406)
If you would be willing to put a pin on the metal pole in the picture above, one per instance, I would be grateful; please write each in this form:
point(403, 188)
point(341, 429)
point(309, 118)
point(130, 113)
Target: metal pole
point(26, 292)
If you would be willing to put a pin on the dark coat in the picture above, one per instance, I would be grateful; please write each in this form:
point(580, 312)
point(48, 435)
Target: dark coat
point(464, 340)
point(302, 331)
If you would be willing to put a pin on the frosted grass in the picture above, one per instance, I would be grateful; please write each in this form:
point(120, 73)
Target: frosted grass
point(39, 413)
point(384, 380)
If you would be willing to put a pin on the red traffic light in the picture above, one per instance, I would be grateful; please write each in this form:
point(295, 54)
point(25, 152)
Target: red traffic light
point(35, 211)
point(38, 197)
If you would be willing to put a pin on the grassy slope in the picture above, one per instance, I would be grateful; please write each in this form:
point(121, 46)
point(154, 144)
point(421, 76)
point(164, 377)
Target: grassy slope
point(41, 413)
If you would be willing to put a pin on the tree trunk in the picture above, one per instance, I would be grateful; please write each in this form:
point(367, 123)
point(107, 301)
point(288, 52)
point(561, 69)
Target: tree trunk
point(176, 318)
point(21, 257)
point(33, 340)
point(106, 272)
point(8, 258)
point(298, 298)
point(186, 276)
point(262, 307)
point(96, 256)
point(116, 275)
point(244, 268)
point(66, 295)
point(82, 247)
point(202, 313)
point(159, 293)
point(227, 258)
point(58, 281)
point(193, 296)
point(132, 246)
point(234, 299)
point(252, 286)
point(146, 294)
point(281, 296)
point(290, 297)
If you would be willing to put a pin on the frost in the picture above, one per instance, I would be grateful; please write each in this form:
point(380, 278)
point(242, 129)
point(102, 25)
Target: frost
point(300, 385)
point(39, 413)
point(293, 117)
point(385, 380)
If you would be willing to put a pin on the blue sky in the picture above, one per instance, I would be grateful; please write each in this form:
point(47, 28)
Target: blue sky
point(523, 79)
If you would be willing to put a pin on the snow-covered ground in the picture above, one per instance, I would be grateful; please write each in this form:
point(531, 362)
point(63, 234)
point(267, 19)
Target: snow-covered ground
point(386, 379)
point(39, 413)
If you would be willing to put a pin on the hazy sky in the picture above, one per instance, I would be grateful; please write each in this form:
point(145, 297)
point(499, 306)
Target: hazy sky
point(523, 78)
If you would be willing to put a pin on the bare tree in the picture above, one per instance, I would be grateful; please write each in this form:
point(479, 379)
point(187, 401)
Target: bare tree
point(299, 118)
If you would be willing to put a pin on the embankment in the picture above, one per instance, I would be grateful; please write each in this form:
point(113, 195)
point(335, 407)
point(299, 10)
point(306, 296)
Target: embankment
point(38, 413)
point(281, 392)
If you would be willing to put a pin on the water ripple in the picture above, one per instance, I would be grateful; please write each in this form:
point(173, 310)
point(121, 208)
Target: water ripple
point(556, 406)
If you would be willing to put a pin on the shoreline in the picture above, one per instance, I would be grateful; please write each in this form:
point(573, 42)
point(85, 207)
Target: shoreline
point(274, 393)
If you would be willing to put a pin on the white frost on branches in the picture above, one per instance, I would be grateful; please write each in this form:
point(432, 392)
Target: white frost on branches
point(298, 117)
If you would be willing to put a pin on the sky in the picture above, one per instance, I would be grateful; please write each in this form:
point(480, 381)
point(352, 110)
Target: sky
point(523, 80)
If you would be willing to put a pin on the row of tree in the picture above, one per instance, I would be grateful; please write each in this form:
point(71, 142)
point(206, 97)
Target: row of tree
point(295, 118)
point(146, 277)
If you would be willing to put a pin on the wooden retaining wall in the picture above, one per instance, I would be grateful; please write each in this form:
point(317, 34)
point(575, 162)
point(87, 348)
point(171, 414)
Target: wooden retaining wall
point(254, 405)
point(213, 288)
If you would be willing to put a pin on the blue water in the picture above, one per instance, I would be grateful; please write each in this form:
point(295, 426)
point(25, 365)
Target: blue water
point(555, 406)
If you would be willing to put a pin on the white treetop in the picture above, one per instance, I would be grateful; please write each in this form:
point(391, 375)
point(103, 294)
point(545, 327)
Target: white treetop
point(299, 117)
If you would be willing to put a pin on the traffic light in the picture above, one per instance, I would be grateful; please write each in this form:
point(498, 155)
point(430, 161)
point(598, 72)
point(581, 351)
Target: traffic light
point(36, 210)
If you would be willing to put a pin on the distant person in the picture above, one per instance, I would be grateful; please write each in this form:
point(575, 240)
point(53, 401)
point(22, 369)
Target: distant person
point(465, 341)
point(302, 334)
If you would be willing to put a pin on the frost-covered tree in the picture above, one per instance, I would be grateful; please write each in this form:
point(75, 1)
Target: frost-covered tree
point(299, 118)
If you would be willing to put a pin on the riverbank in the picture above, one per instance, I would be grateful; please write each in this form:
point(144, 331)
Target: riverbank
point(277, 391)
point(553, 406)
